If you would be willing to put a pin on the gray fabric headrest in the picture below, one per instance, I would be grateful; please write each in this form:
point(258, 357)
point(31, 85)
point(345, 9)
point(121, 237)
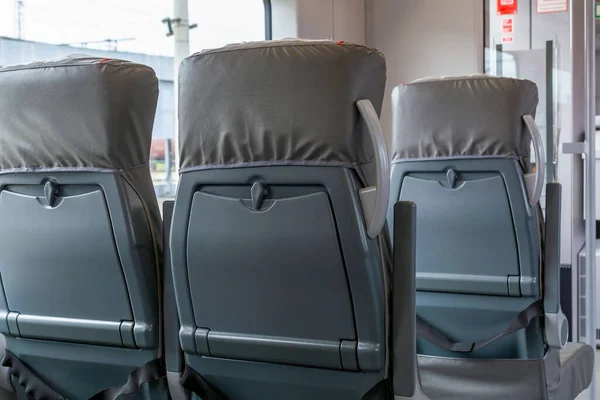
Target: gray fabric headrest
point(78, 112)
point(278, 102)
point(462, 116)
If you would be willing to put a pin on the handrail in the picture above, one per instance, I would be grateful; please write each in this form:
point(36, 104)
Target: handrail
point(375, 209)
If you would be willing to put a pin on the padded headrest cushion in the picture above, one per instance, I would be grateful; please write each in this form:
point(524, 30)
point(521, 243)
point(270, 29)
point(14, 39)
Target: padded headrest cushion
point(278, 102)
point(78, 112)
point(462, 117)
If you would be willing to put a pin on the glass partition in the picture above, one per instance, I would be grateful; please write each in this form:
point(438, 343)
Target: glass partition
point(532, 41)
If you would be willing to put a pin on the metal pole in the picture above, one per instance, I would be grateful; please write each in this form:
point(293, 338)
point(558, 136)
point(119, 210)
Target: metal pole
point(550, 111)
point(590, 221)
point(20, 30)
point(181, 36)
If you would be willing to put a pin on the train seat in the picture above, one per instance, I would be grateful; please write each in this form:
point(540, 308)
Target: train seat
point(80, 230)
point(279, 279)
point(488, 310)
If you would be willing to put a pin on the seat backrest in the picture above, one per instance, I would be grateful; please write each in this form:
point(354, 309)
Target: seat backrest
point(461, 151)
point(79, 221)
point(279, 287)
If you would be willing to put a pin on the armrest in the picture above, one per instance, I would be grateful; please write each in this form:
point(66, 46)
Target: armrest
point(173, 353)
point(403, 315)
point(556, 325)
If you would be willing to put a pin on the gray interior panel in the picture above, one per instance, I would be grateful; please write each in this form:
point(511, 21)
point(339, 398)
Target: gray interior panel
point(452, 216)
point(477, 317)
point(244, 380)
point(287, 250)
point(77, 371)
point(79, 284)
point(477, 252)
point(523, 218)
point(89, 269)
point(278, 279)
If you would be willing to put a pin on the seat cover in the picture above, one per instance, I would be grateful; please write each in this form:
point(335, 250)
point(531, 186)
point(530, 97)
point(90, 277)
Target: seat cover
point(111, 105)
point(445, 122)
point(454, 379)
point(424, 108)
point(576, 372)
point(310, 119)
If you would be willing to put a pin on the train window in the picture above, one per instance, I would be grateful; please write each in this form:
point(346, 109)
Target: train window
point(136, 30)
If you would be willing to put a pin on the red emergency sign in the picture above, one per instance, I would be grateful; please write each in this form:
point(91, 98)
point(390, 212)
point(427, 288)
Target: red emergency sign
point(506, 7)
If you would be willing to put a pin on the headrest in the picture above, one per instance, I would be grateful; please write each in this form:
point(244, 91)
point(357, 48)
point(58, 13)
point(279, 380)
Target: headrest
point(78, 112)
point(278, 102)
point(473, 116)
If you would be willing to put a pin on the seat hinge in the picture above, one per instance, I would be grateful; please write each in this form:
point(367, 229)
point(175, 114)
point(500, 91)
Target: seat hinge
point(13, 325)
point(514, 285)
point(127, 337)
point(201, 338)
point(348, 355)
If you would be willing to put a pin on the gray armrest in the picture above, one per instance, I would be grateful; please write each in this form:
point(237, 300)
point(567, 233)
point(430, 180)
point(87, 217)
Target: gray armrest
point(173, 354)
point(404, 327)
point(556, 325)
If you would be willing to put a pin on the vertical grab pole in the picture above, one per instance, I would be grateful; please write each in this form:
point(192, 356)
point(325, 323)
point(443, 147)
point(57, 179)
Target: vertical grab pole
point(181, 40)
point(499, 60)
point(590, 207)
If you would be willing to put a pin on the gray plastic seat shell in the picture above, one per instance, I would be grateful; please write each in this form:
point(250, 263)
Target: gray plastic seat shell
point(482, 309)
point(110, 365)
point(362, 263)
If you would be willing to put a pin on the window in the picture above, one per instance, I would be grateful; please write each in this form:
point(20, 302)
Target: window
point(135, 30)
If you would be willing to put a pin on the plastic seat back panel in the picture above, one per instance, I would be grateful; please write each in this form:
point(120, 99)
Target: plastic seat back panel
point(244, 380)
point(78, 371)
point(263, 254)
point(281, 288)
point(86, 324)
point(89, 265)
point(477, 264)
point(455, 220)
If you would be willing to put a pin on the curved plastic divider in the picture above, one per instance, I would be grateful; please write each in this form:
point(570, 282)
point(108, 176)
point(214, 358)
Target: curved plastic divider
point(375, 199)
